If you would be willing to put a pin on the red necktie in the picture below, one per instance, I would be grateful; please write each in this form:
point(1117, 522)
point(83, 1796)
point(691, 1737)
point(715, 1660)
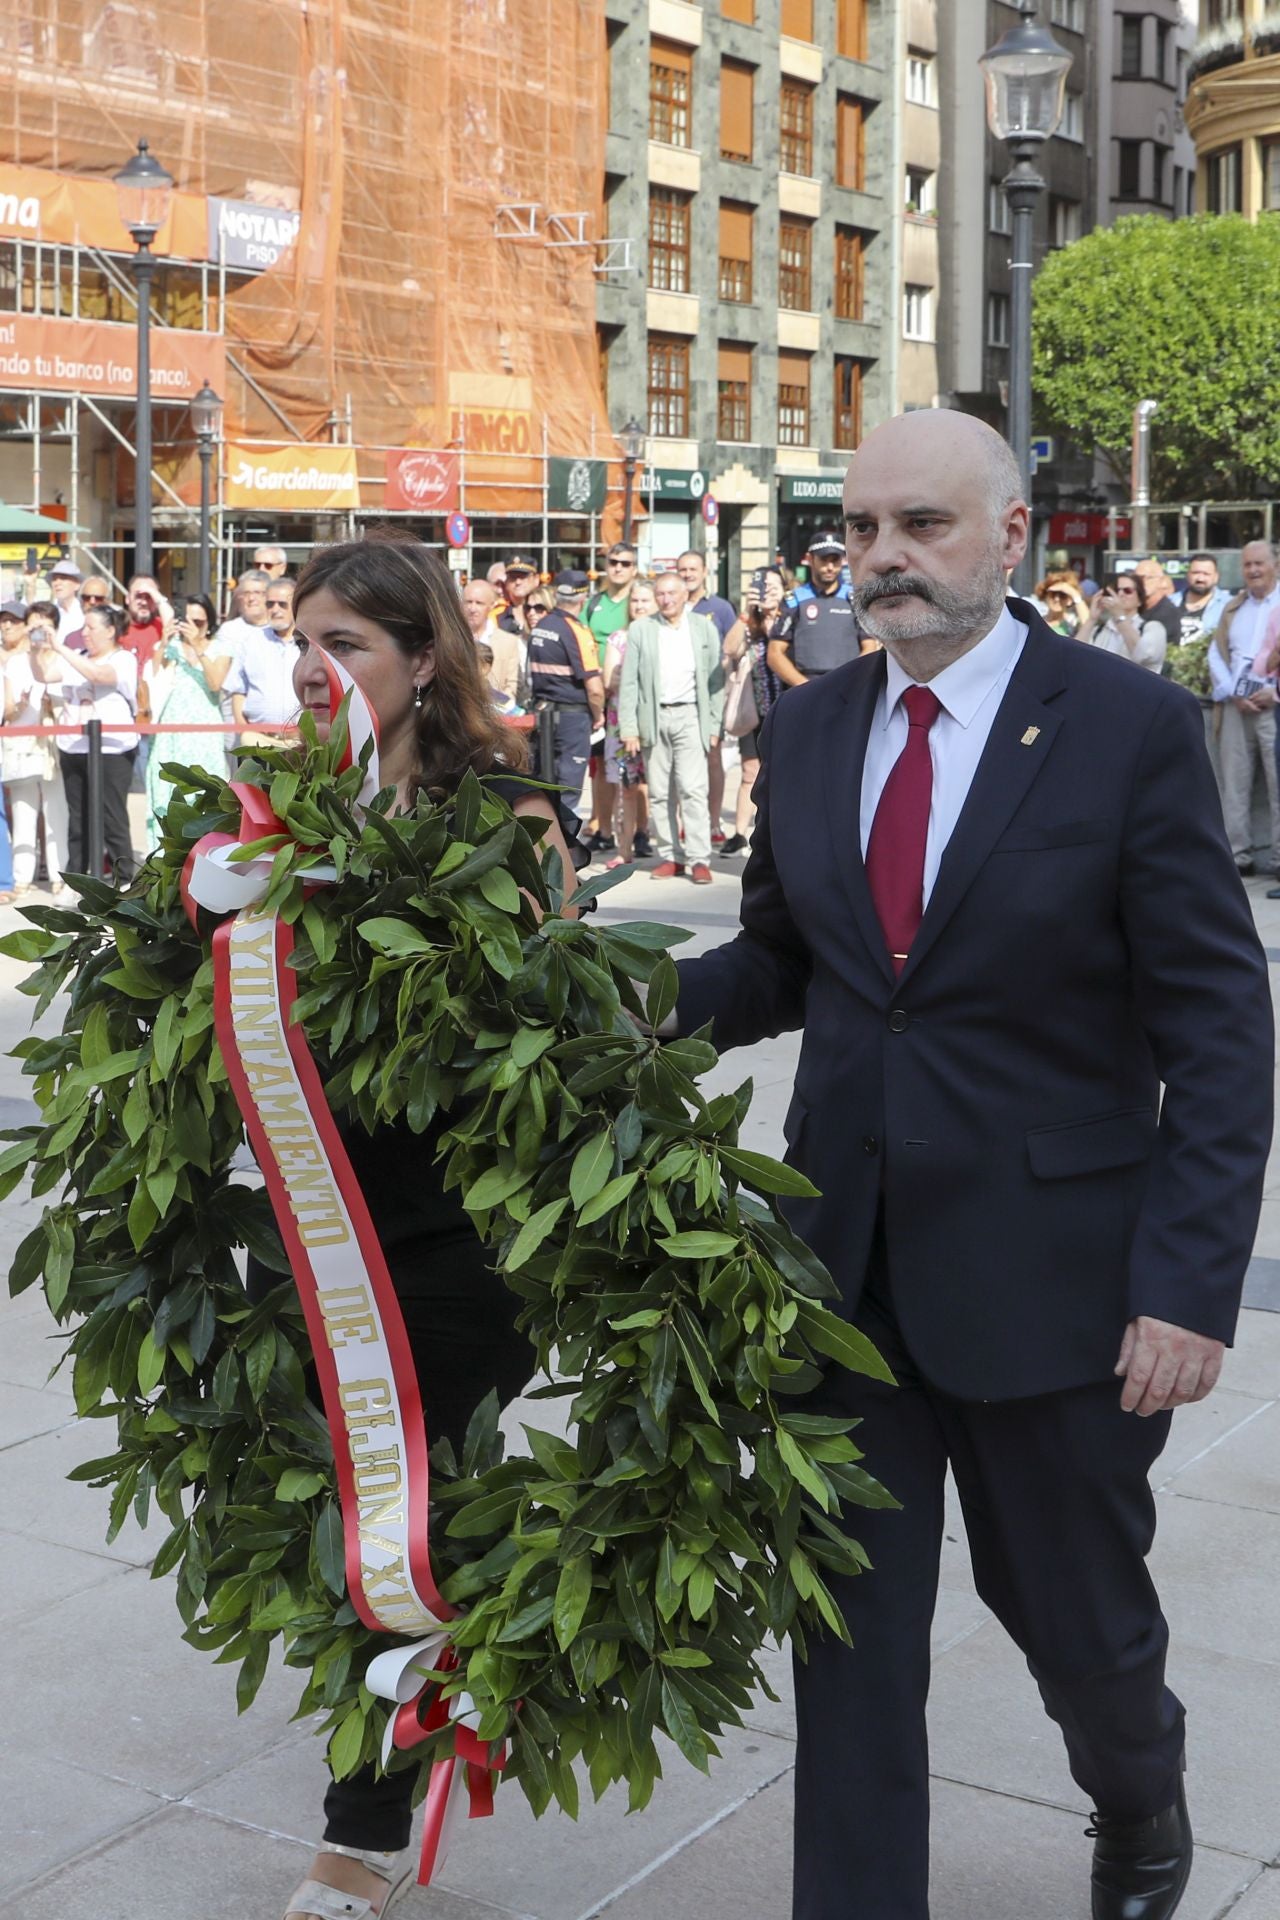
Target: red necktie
point(895, 851)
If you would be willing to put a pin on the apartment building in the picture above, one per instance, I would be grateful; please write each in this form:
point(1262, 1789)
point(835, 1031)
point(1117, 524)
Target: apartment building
point(1233, 107)
point(750, 174)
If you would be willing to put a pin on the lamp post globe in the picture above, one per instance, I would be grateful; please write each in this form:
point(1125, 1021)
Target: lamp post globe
point(631, 439)
point(143, 193)
point(1025, 74)
point(206, 411)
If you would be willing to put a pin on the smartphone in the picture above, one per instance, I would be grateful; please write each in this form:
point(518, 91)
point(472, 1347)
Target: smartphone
point(31, 560)
point(758, 579)
point(180, 605)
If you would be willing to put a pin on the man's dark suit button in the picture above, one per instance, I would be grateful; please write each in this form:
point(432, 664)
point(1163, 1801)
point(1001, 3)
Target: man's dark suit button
point(898, 1021)
point(870, 1144)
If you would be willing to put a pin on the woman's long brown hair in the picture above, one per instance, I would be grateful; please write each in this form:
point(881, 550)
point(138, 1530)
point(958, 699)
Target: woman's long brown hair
point(393, 580)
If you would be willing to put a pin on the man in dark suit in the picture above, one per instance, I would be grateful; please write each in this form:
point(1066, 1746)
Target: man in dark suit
point(989, 881)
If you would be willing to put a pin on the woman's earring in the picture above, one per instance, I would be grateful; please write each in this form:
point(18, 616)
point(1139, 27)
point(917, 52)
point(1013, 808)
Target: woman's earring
point(417, 693)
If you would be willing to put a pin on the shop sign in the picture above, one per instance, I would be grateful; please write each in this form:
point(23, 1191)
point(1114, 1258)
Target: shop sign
point(811, 489)
point(1086, 529)
point(673, 483)
point(576, 486)
point(420, 481)
point(304, 479)
point(100, 357)
point(250, 237)
point(38, 204)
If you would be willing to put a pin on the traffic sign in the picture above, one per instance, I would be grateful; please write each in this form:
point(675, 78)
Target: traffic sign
point(459, 559)
point(710, 509)
point(1042, 452)
point(457, 530)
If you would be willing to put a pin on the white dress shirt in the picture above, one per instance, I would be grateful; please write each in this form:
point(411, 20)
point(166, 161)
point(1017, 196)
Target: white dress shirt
point(1244, 638)
point(970, 692)
point(679, 683)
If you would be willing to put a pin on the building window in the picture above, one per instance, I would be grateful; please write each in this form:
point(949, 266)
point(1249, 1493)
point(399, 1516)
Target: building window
point(797, 19)
point(1163, 34)
point(733, 392)
point(1224, 181)
point(849, 274)
point(851, 29)
point(668, 240)
point(737, 110)
point(851, 143)
point(735, 252)
point(997, 319)
point(1130, 47)
point(1271, 175)
point(796, 128)
point(920, 79)
point(670, 85)
point(1129, 171)
point(1068, 14)
point(793, 400)
point(741, 10)
point(998, 216)
point(848, 398)
point(1222, 13)
point(917, 312)
point(921, 190)
point(668, 387)
point(1064, 221)
point(795, 275)
point(1072, 127)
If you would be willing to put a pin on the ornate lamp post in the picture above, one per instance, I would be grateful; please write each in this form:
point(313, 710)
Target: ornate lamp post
point(143, 189)
point(206, 412)
point(1026, 78)
point(631, 440)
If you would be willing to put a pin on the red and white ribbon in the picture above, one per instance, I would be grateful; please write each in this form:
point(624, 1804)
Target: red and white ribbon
point(363, 1360)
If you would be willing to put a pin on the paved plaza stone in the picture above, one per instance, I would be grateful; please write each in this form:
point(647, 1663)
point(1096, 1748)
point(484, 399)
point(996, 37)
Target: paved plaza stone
point(135, 1792)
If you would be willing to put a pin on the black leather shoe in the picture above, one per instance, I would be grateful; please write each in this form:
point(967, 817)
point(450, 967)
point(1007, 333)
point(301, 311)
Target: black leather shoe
point(1141, 1868)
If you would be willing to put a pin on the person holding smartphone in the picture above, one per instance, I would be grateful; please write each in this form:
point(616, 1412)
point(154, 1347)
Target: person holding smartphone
point(1116, 622)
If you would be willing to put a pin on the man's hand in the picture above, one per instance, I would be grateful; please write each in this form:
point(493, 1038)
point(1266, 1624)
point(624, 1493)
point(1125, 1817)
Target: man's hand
point(1166, 1366)
point(631, 744)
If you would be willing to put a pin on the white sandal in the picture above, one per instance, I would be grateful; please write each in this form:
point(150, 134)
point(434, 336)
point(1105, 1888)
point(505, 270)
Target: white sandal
point(316, 1900)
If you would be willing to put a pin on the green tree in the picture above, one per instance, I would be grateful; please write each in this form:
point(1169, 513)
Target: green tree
point(1184, 312)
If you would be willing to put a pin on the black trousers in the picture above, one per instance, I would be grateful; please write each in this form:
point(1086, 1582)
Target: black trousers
point(460, 1319)
point(1059, 1518)
point(573, 751)
point(117, 776)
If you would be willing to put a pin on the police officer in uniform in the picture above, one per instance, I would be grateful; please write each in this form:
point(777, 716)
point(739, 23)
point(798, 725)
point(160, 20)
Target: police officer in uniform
point(564, 675)
point(816, 630)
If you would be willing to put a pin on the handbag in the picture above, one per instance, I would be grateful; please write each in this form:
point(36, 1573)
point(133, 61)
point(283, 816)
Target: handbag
point(741, 714)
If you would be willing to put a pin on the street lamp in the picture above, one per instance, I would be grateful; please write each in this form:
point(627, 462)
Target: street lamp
point(143, 189)
point(206, 409)
point(1026, 78)
point(631, 440)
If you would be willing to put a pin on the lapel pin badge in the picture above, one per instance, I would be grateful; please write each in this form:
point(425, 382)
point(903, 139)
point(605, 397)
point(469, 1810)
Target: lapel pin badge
point(1030, 737)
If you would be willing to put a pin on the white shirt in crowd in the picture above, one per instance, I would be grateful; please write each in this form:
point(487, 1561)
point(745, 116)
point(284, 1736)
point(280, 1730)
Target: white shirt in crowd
point(115, 705)
point(70, 620)
point(679, 669)
point(970, 691)
point(1153, 643)
point(1245, 636)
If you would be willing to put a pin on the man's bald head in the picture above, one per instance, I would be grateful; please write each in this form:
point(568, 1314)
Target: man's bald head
point(935, 520)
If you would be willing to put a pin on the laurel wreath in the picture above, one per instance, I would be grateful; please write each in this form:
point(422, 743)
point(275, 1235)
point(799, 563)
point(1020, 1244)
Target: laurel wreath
point(616, 1583)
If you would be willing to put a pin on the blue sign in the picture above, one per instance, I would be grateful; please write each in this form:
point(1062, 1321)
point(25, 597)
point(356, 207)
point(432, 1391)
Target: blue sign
point(1042, 452)
point(457, 530)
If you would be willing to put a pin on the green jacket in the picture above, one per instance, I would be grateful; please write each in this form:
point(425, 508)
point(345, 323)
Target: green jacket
point(638, 696)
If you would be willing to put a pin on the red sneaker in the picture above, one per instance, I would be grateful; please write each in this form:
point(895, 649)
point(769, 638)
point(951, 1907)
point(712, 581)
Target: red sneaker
point(666, 870)
point(701, 875)
point(717, 839)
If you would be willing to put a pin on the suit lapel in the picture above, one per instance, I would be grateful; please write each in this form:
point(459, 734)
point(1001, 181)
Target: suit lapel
point(841, 755)
point(1019, 744)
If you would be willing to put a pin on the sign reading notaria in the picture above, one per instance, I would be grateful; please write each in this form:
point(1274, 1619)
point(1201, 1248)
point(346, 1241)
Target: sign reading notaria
point(248, 237)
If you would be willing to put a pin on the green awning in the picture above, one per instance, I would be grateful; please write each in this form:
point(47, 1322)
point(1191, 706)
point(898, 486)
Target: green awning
point(15, 521)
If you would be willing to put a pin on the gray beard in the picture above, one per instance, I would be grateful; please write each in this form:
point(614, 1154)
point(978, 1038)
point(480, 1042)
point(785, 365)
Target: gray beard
point(925, 638)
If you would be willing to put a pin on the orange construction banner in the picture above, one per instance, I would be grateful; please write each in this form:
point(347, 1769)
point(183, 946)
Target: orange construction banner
point(308, 478)
point(74, 210)
point(101, 357)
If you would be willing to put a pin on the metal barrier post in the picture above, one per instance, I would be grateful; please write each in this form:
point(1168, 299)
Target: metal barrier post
point(547, 742)
point(95, 827)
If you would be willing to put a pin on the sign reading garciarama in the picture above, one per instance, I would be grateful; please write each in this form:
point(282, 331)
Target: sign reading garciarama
point(311, 478)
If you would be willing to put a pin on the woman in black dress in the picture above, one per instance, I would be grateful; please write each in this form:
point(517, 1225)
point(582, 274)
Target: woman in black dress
point(388, 611)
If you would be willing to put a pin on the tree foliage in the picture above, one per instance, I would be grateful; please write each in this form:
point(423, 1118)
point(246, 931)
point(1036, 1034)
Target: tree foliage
point(614, 1584)
point(1179, 311)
